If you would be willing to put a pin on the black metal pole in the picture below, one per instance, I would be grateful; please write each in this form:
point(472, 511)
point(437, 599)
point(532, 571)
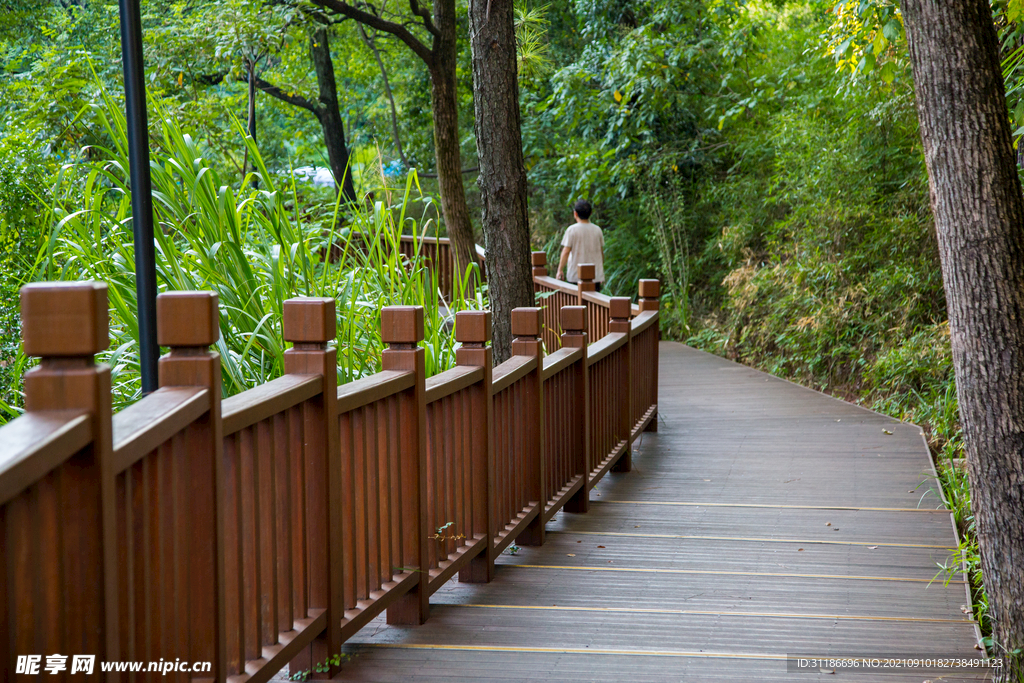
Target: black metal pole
point(142, 190)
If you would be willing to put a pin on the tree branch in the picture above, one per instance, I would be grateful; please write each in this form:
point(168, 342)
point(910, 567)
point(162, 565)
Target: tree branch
point(428, 20)
point(296, 100)
point(380, 24)
point(434, 175)
point(387, 91)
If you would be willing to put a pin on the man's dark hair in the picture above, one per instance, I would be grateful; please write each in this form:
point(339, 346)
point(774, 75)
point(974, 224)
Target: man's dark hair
point(583, 209)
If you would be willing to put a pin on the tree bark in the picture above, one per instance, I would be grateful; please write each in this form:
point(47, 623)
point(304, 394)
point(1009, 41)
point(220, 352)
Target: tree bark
point(329, 114)
point(447, 153)
point(250, 66)
point(979, 219)
point(502, 177)
point(440, 59)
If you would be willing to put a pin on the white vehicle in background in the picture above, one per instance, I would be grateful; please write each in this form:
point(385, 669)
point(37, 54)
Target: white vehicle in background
point(315, 175)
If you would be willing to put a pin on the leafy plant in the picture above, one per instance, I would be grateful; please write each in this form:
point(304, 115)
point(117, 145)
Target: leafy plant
point(255, 248)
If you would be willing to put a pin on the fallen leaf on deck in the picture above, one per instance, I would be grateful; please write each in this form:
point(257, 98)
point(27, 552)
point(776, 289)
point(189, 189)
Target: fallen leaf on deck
point(572, 554)
point(799, 550)
point(886, 431)
point(600, 546)
point(828, 523)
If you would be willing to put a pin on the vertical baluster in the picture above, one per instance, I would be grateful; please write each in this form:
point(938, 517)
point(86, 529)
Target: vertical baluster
point(473, 330)
point(384, 489)
point(402, 330)
point(619, 311)
point(434, 455)
point(372, 505)
point(310, 323)
point(527, 325)
point(574, 335)
point(650, 290)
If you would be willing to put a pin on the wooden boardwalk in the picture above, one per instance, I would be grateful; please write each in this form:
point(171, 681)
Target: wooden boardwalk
point(763, 519)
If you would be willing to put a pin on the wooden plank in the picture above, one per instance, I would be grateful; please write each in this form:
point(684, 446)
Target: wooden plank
point(289, 644)
point(515, 368)
point(367, 390)
point(249, 407)
point(451, 381)
point(559, 360)
point(37, 443)
point(604, 347)
point(642, 322)
point(762, 519)
point(142, 426)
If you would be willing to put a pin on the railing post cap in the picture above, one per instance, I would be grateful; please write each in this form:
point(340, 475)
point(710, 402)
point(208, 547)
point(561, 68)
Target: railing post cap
point(527, 321)
point(587, 271)
point(187, 319)
point(65, 319)
point(538, 258)
point(473, 327)
point(650, 289)
point(620, 308)
point(309, 320)
point(574, 318)
point(401, 324)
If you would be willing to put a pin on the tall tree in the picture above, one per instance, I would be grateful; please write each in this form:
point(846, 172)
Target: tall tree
point(979, 220)
point(440, 59)
point(325, 108)
point(502, 171)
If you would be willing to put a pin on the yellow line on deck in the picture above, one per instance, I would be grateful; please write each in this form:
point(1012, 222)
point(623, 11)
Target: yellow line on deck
point(759, 505)
point(574, 651)
point(719, 613)
point(756, 540)
point(718, 572)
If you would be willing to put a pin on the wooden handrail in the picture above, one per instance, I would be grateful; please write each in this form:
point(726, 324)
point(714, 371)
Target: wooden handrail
point(605, 346)
point(142, 426)
point(642, 322)
point(451, 381)
point(511, 371)
point(249, 407)
point(294, 513)
point(361, 392)
point(559, 360)
point(36, 444)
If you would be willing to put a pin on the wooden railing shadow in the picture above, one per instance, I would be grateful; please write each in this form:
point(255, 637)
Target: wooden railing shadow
point(265, 529)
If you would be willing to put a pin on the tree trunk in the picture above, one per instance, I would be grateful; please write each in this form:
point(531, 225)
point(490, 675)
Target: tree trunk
point(329, 115)
point(979, 220)
point(445, 107)
point(502, 171)
point(251, 67)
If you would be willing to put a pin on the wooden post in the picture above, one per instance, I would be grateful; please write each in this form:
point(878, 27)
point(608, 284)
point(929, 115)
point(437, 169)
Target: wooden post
point(585, 273)
point(619, 312)
point(539, 261)
point(402, 328)
point(66, 324)
point(473, 330)
point(527, 326)
point(188, 323)
point(650, 290)
point(574, 336)
point(309, 324)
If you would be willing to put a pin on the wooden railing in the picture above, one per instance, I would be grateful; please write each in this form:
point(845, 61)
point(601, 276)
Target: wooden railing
point(436, 253)
point(265, 529)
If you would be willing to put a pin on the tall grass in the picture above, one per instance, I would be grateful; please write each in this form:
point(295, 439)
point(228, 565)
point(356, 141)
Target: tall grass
point(254, 247)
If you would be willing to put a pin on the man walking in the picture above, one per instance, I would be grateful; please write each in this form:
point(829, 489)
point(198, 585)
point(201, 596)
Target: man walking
point(583, 243)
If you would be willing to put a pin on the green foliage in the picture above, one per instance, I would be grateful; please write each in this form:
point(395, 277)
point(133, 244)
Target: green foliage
point(255, 248)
